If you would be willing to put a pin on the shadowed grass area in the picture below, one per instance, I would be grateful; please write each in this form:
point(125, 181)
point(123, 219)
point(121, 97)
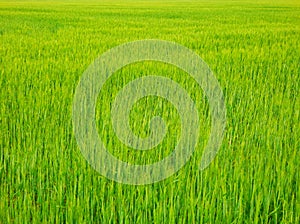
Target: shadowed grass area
point(253, 49)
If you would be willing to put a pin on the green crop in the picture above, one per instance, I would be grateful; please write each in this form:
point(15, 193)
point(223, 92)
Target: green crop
point(253, 48)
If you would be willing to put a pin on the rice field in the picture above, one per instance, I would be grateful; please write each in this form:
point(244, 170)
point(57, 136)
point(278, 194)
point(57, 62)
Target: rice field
point(253, 49)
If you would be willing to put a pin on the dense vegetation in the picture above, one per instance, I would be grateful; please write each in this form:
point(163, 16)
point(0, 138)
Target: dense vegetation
point(253, 49)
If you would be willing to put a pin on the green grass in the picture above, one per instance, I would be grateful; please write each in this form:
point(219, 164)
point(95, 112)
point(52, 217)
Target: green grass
point(253, 49)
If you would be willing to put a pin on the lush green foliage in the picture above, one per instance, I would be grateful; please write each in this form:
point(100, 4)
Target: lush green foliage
point(253, 49)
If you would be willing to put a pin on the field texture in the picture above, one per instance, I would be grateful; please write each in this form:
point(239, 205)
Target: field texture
point(253, 48)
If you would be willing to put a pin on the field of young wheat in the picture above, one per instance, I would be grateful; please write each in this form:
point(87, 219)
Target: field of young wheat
point(253, 49)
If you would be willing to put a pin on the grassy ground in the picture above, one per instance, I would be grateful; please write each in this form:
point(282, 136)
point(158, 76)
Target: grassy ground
point(253, 49)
